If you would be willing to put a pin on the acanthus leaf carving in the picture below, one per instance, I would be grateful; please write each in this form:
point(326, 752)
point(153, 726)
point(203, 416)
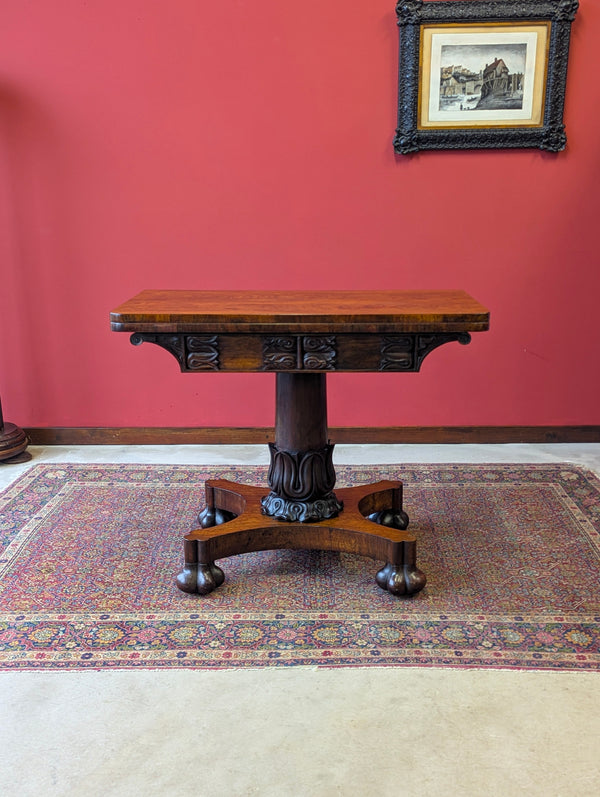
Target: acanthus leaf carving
point(301, 485)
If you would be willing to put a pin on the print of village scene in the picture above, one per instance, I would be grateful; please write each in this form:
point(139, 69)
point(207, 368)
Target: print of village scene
point(476, 82)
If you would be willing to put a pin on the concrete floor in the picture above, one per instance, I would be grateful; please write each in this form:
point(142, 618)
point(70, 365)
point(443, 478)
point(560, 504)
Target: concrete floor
point(301, 731)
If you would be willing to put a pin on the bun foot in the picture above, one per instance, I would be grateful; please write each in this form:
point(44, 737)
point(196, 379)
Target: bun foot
point(392, 518)
point(212, 516)
point(200, 579)
point(401, 579)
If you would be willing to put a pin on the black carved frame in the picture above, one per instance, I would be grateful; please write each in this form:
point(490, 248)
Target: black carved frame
point(412, 14)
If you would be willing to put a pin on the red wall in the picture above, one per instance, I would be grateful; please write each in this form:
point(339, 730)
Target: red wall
point(146, 144)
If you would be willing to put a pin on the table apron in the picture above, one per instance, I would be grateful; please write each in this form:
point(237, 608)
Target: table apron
point(196, 353)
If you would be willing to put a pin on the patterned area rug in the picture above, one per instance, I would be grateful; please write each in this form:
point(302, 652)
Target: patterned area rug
point(89, 554)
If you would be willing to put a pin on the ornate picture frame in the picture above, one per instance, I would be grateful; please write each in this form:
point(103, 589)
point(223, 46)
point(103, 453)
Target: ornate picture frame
point(477, 74)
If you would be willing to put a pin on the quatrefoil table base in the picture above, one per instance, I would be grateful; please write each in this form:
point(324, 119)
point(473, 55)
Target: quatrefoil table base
point(301, 337)
point(371, 524)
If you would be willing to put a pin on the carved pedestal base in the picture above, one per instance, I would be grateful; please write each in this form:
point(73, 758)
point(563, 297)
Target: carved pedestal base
point(301, 485)
point(301, 511)
point(372, 524)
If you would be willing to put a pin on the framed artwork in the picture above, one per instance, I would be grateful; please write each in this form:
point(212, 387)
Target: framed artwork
point(482, 73)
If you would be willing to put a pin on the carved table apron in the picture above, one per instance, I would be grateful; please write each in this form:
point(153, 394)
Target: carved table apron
point(301, 336)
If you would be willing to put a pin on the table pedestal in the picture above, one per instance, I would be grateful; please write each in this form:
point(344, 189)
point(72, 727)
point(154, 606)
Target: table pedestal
point(301, 511)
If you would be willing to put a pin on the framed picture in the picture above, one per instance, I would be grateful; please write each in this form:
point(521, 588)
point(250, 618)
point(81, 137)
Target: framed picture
point(482, 73)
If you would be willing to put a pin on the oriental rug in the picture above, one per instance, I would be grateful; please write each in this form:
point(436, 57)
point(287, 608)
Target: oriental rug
point(88, 556)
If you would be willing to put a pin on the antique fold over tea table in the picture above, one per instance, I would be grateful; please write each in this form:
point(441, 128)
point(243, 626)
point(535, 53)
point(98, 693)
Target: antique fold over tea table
point(301, 336)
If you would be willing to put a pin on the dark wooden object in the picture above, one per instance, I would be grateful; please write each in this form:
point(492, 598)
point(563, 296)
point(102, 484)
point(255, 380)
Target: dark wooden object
point(301, 336)
point(13, 442)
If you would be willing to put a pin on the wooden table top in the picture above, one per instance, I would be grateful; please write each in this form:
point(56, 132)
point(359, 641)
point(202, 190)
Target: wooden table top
point(300, 311)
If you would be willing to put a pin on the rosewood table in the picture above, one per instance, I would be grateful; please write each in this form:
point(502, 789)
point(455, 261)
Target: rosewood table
point(301, 336)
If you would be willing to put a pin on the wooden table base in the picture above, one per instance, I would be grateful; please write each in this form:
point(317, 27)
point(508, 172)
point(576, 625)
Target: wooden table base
point(372, 523)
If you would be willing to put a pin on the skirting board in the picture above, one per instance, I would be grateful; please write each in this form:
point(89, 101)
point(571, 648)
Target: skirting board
point(79, 436)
